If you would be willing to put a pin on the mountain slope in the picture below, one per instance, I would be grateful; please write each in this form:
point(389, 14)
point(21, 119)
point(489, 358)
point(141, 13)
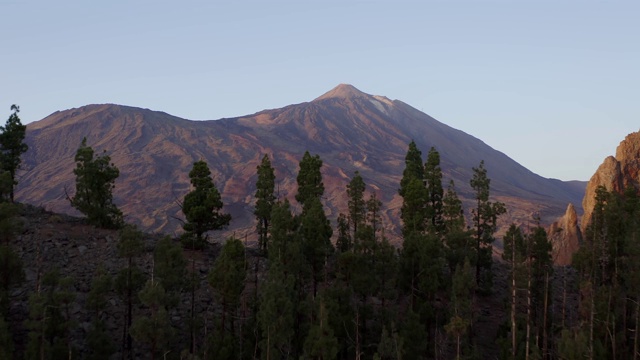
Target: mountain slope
point(349, 129)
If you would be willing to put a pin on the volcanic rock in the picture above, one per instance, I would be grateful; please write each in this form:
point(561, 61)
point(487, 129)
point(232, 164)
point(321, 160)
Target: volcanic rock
point(565, 237)
point(615, 173)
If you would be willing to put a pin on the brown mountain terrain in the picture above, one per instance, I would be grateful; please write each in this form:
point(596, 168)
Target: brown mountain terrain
point(349, 129)
point(615, 174)
point(565, 237)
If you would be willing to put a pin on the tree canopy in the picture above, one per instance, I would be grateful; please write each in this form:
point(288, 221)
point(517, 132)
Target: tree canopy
point(12, 146)
point(202, 206)
point(95, 181)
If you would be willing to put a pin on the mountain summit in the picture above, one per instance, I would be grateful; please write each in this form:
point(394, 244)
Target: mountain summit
point(350, 130)
point(343, 91)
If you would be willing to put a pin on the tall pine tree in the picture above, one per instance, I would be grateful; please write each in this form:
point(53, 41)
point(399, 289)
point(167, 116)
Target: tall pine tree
point(202, 207)
point(265, 198)
point(95, 181)
point(12, 147)
point(485, 216)
point(433, 182)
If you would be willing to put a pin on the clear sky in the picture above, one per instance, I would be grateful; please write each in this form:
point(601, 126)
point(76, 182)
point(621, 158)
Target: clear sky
point(553, 84)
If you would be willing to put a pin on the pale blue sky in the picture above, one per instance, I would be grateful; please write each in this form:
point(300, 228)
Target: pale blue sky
point(553, 84)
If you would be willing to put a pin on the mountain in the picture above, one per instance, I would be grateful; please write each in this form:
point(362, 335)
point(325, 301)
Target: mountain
point(349, 129)
point(615, 173)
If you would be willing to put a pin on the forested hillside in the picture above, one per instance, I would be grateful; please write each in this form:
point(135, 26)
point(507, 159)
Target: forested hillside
point(92, 293)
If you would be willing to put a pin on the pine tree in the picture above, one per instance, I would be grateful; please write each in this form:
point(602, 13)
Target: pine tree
point(485, 216)
point(385, 266)
point(374, 206)
point(265, 198)
point(452, 212)
point(277, 313)
point(414, 208)
point(309, 179)
point(513, 254)
point(202, 207)
point(5, 186)
point(289, 272)
point(413, 167)
point(390, 346)
point(99, 343)
point(170, 269)
point(227, 280)
point(457, 240)
point(65, 297)
point(6, 340)
point(541, 272)
point(95, 178)
point(461, 304)
point(315, 232)
point(129, 280)
point(433, 181)
point(314, 228)
point(50, 322)
point(339, 302)
point(321, 344)
point(415, 197)
point(608, 267)
point(12, 147)
point(414, 334)
point(344, 242)
point(154, 329)
point(10, 225)
point(356, 203)
point(11, 268)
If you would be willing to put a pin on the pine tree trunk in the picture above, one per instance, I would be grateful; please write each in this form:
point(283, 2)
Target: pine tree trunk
point(635, 333)
point(513, 301)
point(545, 342)
point(611, 329)
point(124, 334)
point(478, 246)
point(42, 337)
point(528, 337)
point(564, 295)
point(268, 344)
point(358, 335)
point(192, 326)
point(129, 309)
point(591, 321)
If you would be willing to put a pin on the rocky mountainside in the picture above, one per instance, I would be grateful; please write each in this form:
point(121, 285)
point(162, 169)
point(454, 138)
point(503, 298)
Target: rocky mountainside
point(349, 129)
point(615, 173)
point(565, 237)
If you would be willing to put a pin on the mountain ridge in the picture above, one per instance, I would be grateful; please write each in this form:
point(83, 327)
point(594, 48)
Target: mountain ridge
point(349, 129)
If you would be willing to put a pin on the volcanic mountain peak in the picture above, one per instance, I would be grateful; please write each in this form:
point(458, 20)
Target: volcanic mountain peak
point(349, 129)
point(343, 91)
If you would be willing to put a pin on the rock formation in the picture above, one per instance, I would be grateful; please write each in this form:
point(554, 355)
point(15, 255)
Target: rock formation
point(615, 173)
point(565, 237)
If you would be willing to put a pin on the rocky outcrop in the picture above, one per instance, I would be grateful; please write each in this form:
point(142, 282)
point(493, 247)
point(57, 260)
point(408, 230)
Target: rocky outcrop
point(615, 173)
point(565, 237)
